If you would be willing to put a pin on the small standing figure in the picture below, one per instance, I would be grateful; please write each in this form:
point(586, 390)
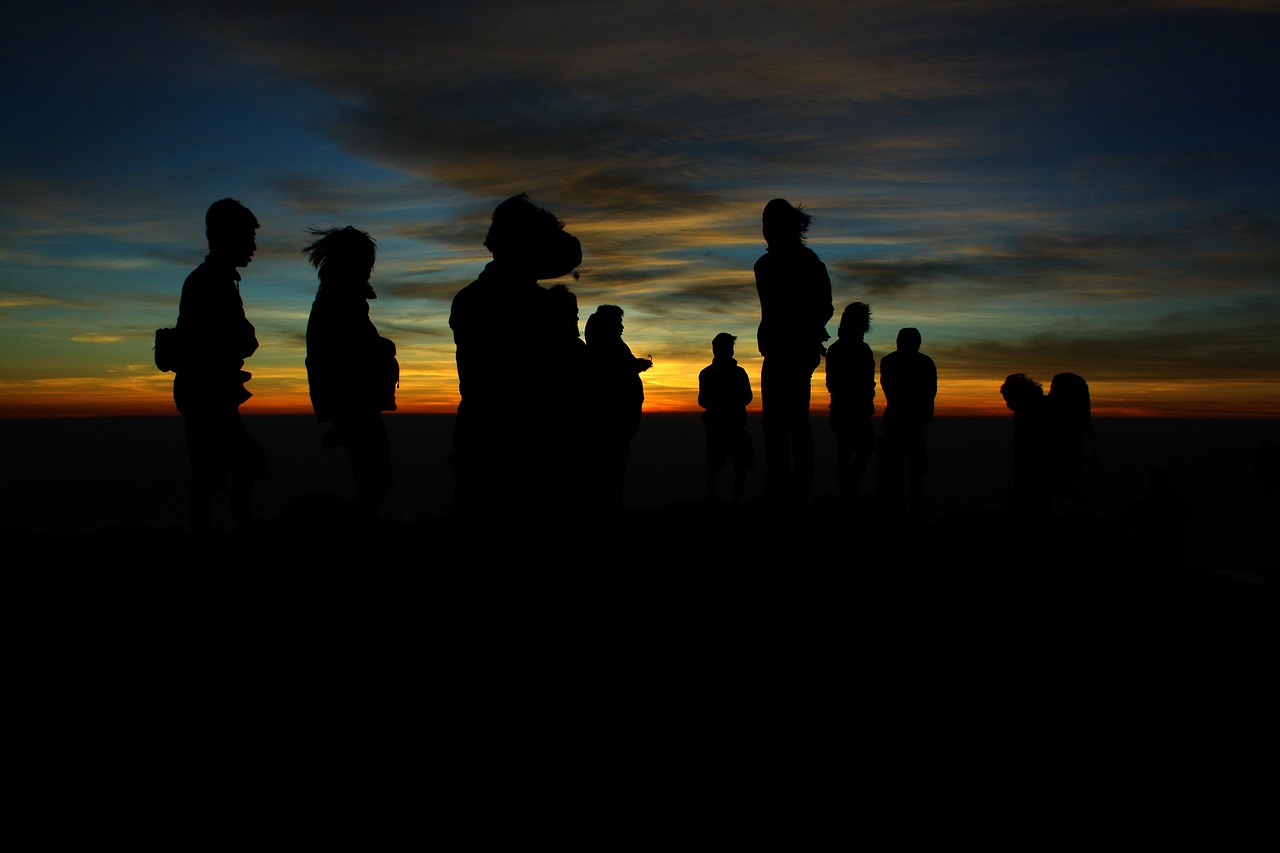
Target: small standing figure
point(851, 381)
point(209, 385)
point(351, 370)
point(909, 380)
point(1031, 486)
point(615, 398)
point(1158, 520)
point(724, 391)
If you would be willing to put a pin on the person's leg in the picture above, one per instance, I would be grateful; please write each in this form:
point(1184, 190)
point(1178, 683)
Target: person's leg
point(248, 465)
point(773, 411)
point(916, 469)
point(802, 438)
point(207, 455)
point(844, 453)
point(863, 442)
point(369, 454)
point(713, 464)
point(888, 480)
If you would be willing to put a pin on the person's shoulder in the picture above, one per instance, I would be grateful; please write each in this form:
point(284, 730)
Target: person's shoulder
point(203, 270)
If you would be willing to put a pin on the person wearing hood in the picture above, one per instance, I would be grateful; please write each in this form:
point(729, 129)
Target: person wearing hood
point(506, 336)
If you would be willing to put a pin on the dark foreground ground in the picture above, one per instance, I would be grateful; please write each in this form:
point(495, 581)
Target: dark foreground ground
point(678, 639)
point(311, 645)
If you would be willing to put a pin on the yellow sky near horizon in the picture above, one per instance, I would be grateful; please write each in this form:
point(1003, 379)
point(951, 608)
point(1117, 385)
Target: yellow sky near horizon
point(669, 388)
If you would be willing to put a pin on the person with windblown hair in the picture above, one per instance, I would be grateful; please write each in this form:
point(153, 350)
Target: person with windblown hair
point(795, 305)
point(352, 370)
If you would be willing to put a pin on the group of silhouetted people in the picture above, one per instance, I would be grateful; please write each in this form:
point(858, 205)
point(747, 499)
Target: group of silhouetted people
point(552, 419)
point(794, 289)
point(352, 371)
point(526, 416)
point(1052, 441)
point(530, 419)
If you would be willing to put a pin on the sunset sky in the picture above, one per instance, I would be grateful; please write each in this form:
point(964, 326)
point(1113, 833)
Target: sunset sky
point(1038, 187)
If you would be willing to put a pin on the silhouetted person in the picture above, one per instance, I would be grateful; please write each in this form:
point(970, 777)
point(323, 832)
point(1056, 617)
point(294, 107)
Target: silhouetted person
point(209, 384)
point(1158, 520)
point(505, 332)
point(909, 380)
point(795, 305)
point(1031, 485)
point(1072, 443)
point(851, 381)
point(567, 390)
point(724, 392)
point(614, 400)
point(351, 369)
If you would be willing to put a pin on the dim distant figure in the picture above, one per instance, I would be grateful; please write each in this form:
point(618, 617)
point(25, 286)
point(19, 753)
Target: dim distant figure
point(909, 380)
point(352, 370)
point(795, 305)
point(851, 381)
point(1031, 485)
point(1158, 521)
point(614, 400)
point(1072, 442)
point(724, 392)
point(505, 334)
point(209, 385)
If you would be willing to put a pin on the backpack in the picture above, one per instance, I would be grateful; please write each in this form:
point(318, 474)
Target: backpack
point(168, 350)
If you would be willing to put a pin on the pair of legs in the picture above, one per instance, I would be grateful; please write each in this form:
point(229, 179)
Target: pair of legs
point(221, 454)
point(728, 445)
point(364, 436)
point(902, 450)
point(855, 443)
point(788, 434)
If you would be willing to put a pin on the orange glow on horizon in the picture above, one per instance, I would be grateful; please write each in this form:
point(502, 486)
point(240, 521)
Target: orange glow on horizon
point(964, 398)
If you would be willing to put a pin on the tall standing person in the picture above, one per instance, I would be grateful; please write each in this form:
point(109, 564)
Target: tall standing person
point(795, 305)
point(209, 385)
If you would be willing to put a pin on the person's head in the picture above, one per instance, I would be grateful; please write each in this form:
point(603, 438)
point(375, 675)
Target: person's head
point(1018, 388)
point(1070, 393)
point(909, 339)
point(531, 239)
point(231, 229)
point(606, 322)
point(783, 222)
point(564, 307)
point(855, 320)
point(343, 255)
point(722, 345)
